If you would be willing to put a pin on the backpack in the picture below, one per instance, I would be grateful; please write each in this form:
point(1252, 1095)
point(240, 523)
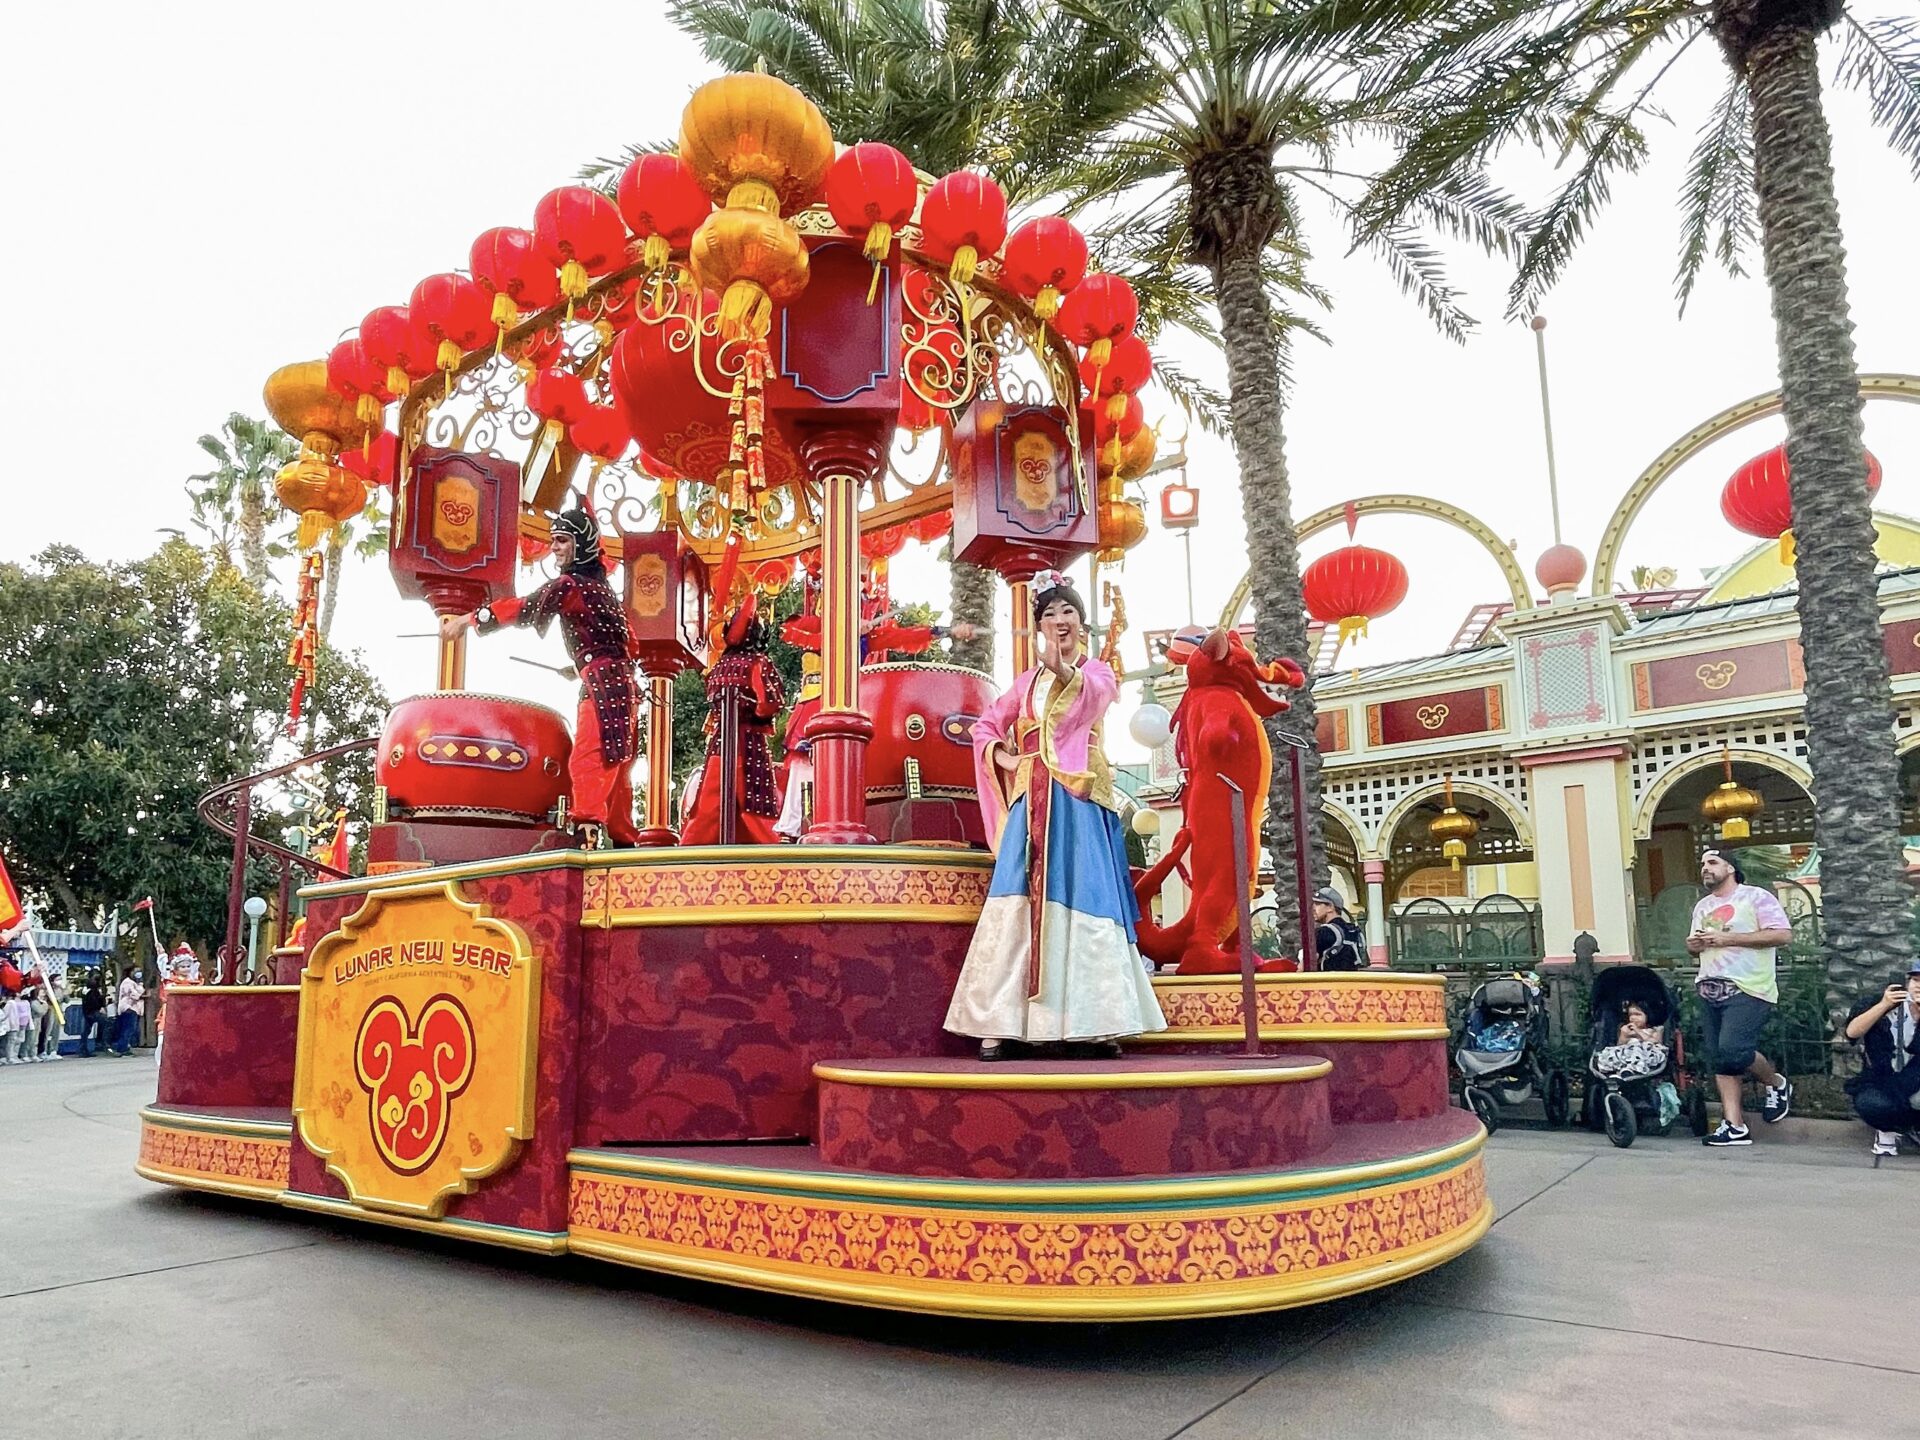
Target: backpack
point(1349, 952)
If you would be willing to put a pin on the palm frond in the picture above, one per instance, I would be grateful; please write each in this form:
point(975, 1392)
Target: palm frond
point(1882, 57)
point(1717, 202)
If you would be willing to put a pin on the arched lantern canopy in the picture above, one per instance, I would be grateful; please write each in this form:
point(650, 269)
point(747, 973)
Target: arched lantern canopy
point(1757, 499)
point(1353, 585)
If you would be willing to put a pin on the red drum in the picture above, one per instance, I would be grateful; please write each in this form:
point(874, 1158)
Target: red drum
point(924, 712)
point(455, 755)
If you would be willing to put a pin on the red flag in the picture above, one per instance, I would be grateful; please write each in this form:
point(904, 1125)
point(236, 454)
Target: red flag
point(10, 912)
point(146, 904)
point(337, 853)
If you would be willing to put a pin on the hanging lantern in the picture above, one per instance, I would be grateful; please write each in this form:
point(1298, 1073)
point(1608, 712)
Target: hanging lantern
point(1112, 432)
point(399, 345)
point(352, 375)
point(963, 218)
point(579, 233)
point(761, 149)
point(1098, 311)
point(601, 432)
point(558, 397)
point(1128, 368)
point(1757, 499)
point(662, 203)
point(1045, 258)
point(456, 312)
point(871, 192)
point(509, 267)
point(1453, 830)
point(1123, 525)
point(1352, 585)
point(1731, 805)
point(1137, 454)
point(316, 486)
point(378, 462)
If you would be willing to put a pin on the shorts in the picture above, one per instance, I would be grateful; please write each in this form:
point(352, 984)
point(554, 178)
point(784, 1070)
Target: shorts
point(1732, 1030)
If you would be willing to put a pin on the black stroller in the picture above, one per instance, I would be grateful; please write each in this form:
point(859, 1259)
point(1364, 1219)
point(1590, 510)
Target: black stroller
point(1624, 1082)
point(1502, 1052)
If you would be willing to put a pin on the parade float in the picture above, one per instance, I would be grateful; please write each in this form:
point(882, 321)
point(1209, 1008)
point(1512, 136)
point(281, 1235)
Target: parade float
point(770, 358)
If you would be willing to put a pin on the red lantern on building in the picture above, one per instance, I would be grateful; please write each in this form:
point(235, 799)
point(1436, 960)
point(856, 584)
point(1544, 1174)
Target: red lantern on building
point(378, 462)
point(399, 345)
point(1098, 311)
point(456, 312)
point(663, 203)
point(1127, 371)
point(558, 397)
point(1757, 499)
point(1045, 259)
point(1352, 585)
point(963, 217)
point(871, 191)
point(602, 431)
point(580, 233)
point(351, 374)
point(511, 270)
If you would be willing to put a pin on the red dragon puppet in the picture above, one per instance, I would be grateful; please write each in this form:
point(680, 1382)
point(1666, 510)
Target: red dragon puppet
point(1217, 737)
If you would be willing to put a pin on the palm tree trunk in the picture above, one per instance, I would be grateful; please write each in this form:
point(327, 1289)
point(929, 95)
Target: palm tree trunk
point(253, 530)
point(1273, 555)
point(1856, 775)
point(330, 582)
point(971, 599)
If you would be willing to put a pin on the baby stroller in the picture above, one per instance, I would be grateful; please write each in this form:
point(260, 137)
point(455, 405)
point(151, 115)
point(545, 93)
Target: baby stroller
point(1501, 1055)
point(1624, 1082)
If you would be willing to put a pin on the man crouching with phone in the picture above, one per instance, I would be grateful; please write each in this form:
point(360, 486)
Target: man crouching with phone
point(1886, 1092)
point(1737, 927)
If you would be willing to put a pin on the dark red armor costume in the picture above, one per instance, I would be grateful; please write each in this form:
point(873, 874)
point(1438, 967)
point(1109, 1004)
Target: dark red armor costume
point(746, 677)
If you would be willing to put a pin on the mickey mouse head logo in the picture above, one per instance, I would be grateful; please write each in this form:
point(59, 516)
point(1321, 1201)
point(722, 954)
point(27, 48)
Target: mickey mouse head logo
point(1717, 675)
point(458, 512)
point(1432, 717)
point(412, 1073)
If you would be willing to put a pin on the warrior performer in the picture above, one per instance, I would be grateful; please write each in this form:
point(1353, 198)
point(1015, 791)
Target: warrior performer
point(1053, 958)
point(744, 677)
point(593, 624)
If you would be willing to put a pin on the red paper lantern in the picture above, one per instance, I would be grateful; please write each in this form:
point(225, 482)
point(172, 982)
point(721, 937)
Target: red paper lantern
point(963, 217)
point(663, 203)
point(510, 269)
point(1352, 585)
point(871, 191)
point(351, 374)
point(377, 463)
point(1128, 369)
point(580, 233)
point(400, 346)
point(1098, 311)
point(558, 396)
point(456, 312)
point(1757, 500)
point(1045, 259)
point(601, 431)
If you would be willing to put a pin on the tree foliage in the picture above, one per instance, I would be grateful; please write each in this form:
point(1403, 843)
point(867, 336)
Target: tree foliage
point(127, 691)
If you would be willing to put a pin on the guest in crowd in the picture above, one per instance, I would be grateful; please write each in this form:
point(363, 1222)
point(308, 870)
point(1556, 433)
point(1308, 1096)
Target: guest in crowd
point(96, 1013)
point(1886, 1092)
point(132, 1006)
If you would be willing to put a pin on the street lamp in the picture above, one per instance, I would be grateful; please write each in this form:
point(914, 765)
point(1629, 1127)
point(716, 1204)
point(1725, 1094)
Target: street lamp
point(255, 907)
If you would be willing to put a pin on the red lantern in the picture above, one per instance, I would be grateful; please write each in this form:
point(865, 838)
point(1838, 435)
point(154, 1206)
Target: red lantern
point(580, 233)
point(663, 203)
point(558, 396)
point(396, 343)
point(1127, 370)
point(510, 269)
point(1045, 259)
point(378, 463)
point(1098, 311)
point(456, 312)
point(352, 374)
point(1756, 500)
point(871, 190)
point(602, 431)
point(963, 217)
point(1352, 585)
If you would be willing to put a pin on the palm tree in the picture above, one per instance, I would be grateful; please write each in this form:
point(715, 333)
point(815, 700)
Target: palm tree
point(1582, 76)
point(1006, 85)
point(247, 454)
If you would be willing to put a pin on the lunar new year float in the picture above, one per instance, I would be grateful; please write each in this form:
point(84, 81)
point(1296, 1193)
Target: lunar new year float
point(539, 1029)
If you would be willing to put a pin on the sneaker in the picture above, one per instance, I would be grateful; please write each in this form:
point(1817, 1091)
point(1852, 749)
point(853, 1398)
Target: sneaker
point(1886, 1143)
point(1777, 1102)
point(1729, 1135)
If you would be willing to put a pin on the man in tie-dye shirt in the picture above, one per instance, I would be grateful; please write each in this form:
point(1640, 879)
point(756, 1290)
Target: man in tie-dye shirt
point(1736, 929)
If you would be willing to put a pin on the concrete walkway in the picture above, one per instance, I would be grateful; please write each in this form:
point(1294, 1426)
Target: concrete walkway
point(1666, 1289)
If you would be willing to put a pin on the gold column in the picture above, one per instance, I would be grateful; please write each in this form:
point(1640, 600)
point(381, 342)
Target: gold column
point(659, 821)
point(453, 663)
point(1023, 646)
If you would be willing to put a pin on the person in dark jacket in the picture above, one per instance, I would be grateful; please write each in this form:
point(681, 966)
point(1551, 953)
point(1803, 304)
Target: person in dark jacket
point(1338, 943)
point(93, 1008)
point(1886, 1092)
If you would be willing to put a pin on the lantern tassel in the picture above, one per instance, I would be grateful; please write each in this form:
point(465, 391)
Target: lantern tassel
point(1787, 548)
point(397, 380)
point(1352, 627)
point(1046, 304)
point(878, 246)
point(746, 311)
point(965, 259)
point(573, 283)
point(506, 315)
point(448, 358)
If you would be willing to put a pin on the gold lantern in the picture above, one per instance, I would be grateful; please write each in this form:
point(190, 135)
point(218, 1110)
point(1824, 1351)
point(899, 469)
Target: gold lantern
point(761, 149)
point(1453, 830)
point(1731, 805)
point(1136, 455)
point(316, 487)
point(1123, 525)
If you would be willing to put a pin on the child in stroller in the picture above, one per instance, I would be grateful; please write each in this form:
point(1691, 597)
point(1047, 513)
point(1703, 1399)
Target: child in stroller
point(1501, 1053)
point(1637, 1058)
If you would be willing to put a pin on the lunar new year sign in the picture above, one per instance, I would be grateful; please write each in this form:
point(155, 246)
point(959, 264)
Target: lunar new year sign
point(415, 1067)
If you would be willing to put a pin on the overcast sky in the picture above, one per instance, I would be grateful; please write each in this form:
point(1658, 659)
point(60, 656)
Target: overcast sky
point(215, 190)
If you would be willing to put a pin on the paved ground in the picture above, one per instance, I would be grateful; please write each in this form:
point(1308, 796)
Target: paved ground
point(1661, 1290)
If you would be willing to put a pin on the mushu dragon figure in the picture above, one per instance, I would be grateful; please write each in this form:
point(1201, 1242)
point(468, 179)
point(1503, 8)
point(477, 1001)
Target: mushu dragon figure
point(1217, 732)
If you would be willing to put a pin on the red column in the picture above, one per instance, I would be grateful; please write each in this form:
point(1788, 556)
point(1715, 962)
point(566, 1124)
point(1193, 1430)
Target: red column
point(840, 459)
